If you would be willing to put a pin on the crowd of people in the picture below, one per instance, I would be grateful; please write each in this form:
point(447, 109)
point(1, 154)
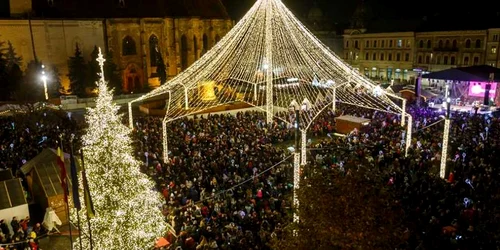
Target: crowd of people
point(228, 181)
point(24, 137)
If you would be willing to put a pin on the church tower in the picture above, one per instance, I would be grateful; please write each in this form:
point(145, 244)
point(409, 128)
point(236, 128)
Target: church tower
point(358, 20)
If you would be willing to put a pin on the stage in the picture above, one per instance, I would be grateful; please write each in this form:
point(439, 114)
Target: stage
point(465, 108)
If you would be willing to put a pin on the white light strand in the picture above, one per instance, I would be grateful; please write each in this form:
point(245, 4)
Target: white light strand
point(130, 116)
point(296, 185)
point(444, 152)
point(303, 147)
point(268, 59)
point(165, 140)
point(127, 209)
point(403, 113)
point(408, 134)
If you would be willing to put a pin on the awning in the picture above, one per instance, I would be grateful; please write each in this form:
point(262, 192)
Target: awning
point(467, 74)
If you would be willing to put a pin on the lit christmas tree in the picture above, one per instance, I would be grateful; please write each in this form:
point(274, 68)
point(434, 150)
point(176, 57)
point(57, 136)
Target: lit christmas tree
point(127, 209)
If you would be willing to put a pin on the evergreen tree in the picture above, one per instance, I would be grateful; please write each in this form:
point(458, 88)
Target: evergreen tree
point(15, 78)
point(127, 210)
point(77, 74)
point(11, 56)
point(93, 69)
point(30, 88)
point(113, 74)
point(161, 69)
point(337, 211)
point(3, 72)
point(54, 82)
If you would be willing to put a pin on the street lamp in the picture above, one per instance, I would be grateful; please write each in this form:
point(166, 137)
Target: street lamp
point(44, 79)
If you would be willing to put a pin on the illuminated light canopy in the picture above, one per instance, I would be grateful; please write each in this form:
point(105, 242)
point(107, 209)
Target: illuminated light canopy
point(127, 209)
point(266, 48)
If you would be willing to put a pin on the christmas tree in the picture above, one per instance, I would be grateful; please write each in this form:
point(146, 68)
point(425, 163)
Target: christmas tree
point(127, 209)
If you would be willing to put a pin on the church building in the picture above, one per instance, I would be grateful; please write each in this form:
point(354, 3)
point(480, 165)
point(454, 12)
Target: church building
point(136, 32)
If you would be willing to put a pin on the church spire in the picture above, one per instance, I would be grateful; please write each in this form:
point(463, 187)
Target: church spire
point(359, 17)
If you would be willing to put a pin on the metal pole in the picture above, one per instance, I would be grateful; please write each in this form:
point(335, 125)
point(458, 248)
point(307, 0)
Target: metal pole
point(418, 87)
point(87, 209)
point(65, 196)
point(77, 212)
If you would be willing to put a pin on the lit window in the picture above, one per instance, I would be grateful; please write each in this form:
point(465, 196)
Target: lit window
point(400, 43)
point(493, 50)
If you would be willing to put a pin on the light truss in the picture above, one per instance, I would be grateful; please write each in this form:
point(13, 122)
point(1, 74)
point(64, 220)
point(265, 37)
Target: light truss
point(268, 60)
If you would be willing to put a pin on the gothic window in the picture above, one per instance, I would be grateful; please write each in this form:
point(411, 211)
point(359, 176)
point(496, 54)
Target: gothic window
point(398, 57)
point(467, 43)
point(367, 44)
point(466, 60)
point(367, 56)
point(128, 46)
point(419, 59)
point(407, 57)
point(390, 43)
point(440, 44)
point(205, 43)
point(478, 43)
point(356, 45)
point(195, 47)
point(429, 44)
point(454, 44)
point(381, 56)
point(347, 44)
point(421, 44)
point(445, 62)
point(452, 60)
point(374, 56)
point(447, 44)
point(389, 57)
point(184, 52)
point(476, 60)
point(154, 51)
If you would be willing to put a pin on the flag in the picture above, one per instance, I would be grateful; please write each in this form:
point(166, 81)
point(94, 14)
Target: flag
point(60, 162)
point(86, 192)
point(74, 181)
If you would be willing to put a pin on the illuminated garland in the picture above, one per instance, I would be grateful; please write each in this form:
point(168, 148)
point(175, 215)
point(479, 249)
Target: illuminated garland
point(269, 46)
point(127, 209)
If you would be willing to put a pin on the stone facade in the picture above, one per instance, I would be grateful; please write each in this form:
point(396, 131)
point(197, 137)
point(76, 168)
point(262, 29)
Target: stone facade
point(383, 55)
point(53, 41)
point(180, 41)
point(180, 30)
point(380, 55)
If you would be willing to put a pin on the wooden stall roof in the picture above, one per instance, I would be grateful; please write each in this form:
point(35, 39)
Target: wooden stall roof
point(351, 118)
point(46, 168)
point(11, 194)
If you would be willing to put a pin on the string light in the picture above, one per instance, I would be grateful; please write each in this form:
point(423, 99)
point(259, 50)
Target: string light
point(264, 50)
point(127, 209)
point(444, 152)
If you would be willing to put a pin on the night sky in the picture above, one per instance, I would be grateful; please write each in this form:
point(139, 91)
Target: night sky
point(430, 14)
